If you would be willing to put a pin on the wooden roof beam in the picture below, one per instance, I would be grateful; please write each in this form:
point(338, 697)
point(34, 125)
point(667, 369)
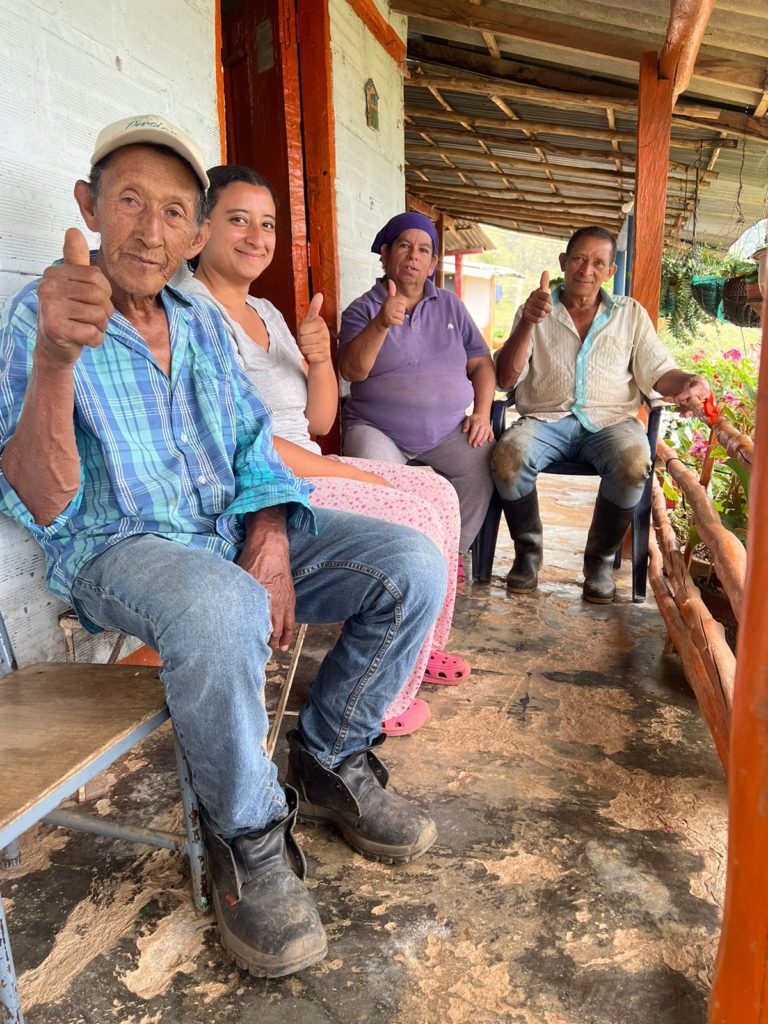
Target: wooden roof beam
point(568, 170)
point(569, 39)
point(487, 85)
point(584, 186)
point(742, 125)
point(555, 129)
point(488, 37)
point(413, 202)
point(688, 20)
point(542, 199)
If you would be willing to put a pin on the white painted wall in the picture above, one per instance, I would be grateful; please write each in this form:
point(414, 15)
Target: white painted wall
point(67, 68)
point(370, 174)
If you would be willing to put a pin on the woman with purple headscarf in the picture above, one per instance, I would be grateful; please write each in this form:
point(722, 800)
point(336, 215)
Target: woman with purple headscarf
point(416, 363)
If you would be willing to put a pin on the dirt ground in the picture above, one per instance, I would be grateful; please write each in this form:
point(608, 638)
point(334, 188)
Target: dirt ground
point(577, 877)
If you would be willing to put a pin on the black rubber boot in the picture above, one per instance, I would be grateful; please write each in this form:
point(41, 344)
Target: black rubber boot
point(267, 919)
point(526, 531)
point(379, 824)
point(609, 524)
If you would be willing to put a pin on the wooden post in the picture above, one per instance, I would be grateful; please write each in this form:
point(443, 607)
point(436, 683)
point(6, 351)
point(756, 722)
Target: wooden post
point(740, 991)
point(440, 275)
point(458, 279)
point(654, 127)
point(314, 36)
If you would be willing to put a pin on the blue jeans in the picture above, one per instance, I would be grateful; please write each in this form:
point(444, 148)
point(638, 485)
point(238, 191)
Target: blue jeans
point(620, 455)
point(209, 621)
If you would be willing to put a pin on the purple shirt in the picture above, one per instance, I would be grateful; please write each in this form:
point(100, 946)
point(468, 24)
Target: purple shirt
point(418, 389)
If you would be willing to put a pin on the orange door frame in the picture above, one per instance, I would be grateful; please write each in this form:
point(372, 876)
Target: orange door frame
point(314, 36)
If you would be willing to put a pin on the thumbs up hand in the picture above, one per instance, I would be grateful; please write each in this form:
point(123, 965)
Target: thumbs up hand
point(538, 305)
point(314, 339)
point(75, 303)
point(392, 312)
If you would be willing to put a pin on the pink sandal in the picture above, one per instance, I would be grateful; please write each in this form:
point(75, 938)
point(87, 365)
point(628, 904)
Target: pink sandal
point(461, 576)
point(448, 669)
point(415, 715)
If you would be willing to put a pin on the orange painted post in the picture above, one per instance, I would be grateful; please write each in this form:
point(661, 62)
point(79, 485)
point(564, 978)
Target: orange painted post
point(654, 126)
point(218, 64)
point(440, 274)
point(740, 991)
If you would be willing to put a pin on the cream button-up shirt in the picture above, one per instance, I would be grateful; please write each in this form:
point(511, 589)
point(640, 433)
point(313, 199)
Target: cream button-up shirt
point(601, 380)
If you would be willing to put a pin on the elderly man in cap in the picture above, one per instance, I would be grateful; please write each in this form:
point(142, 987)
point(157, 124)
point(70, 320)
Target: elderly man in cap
point(416, 362)
point(580, 360)
point(140, 457)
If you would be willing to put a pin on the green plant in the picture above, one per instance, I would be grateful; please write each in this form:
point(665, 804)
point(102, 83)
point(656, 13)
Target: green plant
point(689, 287)
point(734, 382)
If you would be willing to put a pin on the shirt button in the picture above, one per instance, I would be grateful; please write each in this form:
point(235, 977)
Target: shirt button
point(183, 438)
point(201, 479)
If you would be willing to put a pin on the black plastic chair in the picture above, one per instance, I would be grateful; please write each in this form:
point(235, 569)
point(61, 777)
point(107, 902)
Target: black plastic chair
point(484, 546)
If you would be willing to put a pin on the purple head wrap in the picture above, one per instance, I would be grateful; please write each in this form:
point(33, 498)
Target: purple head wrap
point(402, 222)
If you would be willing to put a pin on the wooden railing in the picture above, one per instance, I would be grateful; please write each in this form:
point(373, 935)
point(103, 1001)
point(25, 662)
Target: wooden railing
point(740, 990)
point(707, 659)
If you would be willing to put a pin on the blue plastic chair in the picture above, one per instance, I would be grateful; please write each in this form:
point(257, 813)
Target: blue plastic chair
point(484, 546)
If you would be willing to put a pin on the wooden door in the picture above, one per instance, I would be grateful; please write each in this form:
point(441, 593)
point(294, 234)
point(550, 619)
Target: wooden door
point(263, 121)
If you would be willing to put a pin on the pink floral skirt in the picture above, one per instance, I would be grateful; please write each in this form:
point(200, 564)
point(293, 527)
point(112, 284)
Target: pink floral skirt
point(419, 498)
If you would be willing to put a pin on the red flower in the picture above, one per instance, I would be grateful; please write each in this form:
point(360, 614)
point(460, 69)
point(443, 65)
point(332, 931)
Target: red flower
point(711, 411)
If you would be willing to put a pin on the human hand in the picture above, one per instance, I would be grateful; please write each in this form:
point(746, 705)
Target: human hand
point(392, 312)
point(365, 477)
point(478, 429)
point(75, 303)
point(314, 338)
point(696, 389)
point(265, 557)
point(538, 305)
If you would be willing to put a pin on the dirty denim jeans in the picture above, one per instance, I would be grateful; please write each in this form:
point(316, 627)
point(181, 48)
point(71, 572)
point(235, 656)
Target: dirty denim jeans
point(209, 621)
point(619, 453)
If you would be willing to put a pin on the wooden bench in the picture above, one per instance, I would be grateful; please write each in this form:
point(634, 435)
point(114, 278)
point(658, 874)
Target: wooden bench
point(60, 726)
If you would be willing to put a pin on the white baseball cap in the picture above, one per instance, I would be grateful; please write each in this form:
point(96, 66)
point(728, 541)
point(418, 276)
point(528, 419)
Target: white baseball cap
point(155, 130)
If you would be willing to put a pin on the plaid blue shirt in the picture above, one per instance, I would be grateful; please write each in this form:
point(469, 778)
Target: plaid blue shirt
point(184, 458)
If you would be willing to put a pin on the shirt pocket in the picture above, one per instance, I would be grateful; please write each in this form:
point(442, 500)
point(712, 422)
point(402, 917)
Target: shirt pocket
point(209, 416)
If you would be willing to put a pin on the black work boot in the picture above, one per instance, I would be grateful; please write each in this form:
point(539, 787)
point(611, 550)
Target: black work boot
point(526, 531)
point(267, 919)
point(609, 524)
point(379, 824)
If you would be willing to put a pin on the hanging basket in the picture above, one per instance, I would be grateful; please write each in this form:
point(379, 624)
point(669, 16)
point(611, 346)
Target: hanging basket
point(737, 307)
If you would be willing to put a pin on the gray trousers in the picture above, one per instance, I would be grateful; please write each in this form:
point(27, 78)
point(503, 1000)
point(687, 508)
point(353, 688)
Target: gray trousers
point(467, 468)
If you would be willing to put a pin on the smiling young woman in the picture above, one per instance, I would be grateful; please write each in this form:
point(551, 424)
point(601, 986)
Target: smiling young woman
point(296, 378)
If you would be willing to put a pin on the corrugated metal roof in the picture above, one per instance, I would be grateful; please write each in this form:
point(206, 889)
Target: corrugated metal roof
point(517, 161)
point(467, 238)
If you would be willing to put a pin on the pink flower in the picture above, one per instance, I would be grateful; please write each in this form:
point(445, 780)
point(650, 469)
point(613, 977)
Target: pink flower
point(698, 356)
point(698, 447)
point(731, 399)
point(732, 354)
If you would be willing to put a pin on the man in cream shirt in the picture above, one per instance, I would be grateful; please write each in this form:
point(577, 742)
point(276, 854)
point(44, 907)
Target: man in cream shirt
point(580, 360)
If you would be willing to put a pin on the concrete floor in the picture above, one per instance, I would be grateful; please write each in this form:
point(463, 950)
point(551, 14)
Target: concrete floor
point(577, 877)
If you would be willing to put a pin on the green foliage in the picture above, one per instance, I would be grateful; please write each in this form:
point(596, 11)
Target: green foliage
point(734, 382)
point(680, 306)
point(529, 255)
